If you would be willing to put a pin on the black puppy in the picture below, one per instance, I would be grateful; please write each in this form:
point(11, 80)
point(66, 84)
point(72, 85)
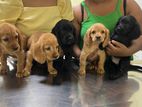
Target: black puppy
point(66, 35)
point(126, 30)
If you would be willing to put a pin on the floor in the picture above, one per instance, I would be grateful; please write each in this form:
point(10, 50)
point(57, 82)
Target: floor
point(92, 91)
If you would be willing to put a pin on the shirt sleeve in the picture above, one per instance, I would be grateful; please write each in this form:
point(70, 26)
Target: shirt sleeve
point(10, 10)
point(66, 10)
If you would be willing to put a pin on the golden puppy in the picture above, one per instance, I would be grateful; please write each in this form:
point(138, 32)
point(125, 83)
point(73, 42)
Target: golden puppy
point(43, 47)
point(97, 37)
point(11, 44)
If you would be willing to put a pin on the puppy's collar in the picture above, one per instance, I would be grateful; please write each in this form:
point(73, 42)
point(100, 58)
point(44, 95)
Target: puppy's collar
point(101, 46)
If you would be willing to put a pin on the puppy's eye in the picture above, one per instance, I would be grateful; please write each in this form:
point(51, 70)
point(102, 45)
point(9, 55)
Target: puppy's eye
point(102, 31)
point(5, 39)
point(93, 32)
point(48, 48)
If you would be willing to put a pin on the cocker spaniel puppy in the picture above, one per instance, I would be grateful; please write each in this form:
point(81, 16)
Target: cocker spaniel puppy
point(126, 30)
point(42, 47)
point(12, 44)
point(65, 32)
point(96, 39)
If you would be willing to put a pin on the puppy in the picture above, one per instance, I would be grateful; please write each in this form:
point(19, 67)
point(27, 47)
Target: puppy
point(42, 47)
point(126, 30)
point(66, 35)
point(96, 39)
point(65, 32)
point(12, 44)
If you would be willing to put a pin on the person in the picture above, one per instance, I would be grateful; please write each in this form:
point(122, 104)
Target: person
point(107, 12)
point(31, 16)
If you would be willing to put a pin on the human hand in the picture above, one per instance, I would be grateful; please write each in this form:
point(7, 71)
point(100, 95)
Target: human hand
point(115, 48)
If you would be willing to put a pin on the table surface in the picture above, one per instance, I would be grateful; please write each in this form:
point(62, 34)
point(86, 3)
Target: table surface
point(92, 91)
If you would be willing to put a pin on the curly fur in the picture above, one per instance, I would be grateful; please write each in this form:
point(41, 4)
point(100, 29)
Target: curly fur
point(126, 30)
point(96, 35)
point(12, 43)
point(43, 47)
point(65, 32)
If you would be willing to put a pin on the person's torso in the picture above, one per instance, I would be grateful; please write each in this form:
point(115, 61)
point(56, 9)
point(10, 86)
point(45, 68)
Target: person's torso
point(34, 19)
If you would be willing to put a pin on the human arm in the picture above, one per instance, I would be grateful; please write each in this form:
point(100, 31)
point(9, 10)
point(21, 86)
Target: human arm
point(77, 24)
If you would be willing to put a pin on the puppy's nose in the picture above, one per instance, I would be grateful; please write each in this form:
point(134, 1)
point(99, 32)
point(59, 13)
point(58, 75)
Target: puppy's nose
point(98, 37)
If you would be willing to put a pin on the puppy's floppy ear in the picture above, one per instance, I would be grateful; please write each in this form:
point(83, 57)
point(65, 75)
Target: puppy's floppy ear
point(38, 53)
point(56, 31)
point(106, 39)
point(87, 39)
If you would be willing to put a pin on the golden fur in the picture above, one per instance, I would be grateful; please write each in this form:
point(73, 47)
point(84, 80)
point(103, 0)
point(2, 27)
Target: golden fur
point(95, 35)
point(43, 47)
point(12, 43)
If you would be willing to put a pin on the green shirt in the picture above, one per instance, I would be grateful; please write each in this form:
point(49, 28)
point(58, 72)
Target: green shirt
point(108, 20)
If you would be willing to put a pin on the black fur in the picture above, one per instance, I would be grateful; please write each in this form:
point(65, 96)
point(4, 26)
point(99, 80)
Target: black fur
point(65, 32)
point(126, 30)
point(66, 36)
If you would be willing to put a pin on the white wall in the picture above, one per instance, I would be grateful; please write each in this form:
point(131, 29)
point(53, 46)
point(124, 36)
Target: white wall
point(139, 2)
point(138, 55)
point(74, 2)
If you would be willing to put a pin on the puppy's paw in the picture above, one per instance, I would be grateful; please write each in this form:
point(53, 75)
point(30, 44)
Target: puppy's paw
point(19, 74)
point(100, 71)
point(53, 72)
point(82, 72)
point(26, 73)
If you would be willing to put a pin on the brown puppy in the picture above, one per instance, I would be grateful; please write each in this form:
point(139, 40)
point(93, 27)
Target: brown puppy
point(11, 44)
point(97, 37)
point(42, 47)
